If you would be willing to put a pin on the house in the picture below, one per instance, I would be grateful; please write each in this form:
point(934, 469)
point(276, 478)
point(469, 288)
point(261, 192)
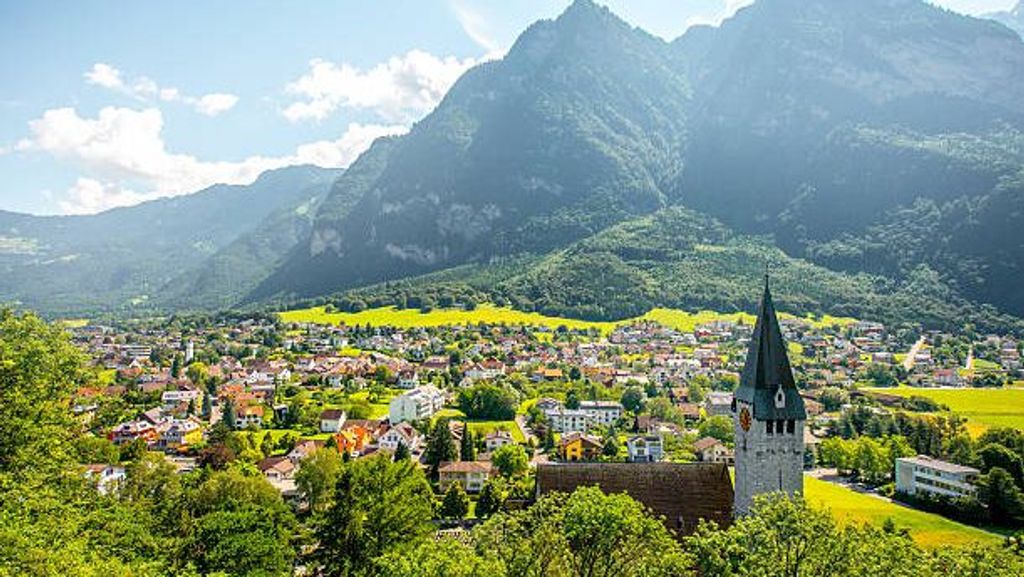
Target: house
point(107, 477)
point(718, 403)
point(947, 378)
point(417, 404)
point(181, 434)
point(402, 433)
point(249, 415)
point(277, 468)
point(711, 450)
point(353, 440)
point(924, 474)
point(171, 399)
point(303, 449)
point(331, 420)
point(682, 494)
point(497, 439)
point(470, 474)
point(604, 413)
point(644, 449)
point(564, 420)
point(129, 431)
point(408, 379)
point(578, 447)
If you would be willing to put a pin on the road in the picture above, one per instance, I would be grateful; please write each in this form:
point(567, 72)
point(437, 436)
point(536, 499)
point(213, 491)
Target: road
point(908, 363)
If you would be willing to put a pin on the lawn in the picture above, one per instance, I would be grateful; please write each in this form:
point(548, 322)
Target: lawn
point(682, 321)
point(407, 318)
point(983, 408)
point(481, 428)
point(927, 529)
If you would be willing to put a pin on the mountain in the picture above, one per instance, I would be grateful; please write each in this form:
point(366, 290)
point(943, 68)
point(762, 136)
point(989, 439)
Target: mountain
point(1013, 19)
point(867, 136)
point(126, 256)
point(582, 124)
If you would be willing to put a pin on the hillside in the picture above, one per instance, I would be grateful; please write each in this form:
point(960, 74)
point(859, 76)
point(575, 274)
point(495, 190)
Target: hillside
point(1013, 19)
point(126, 256)
point(677, 258)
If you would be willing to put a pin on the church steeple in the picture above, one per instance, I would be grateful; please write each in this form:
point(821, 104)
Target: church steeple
point(767, 381)
point(769, 416)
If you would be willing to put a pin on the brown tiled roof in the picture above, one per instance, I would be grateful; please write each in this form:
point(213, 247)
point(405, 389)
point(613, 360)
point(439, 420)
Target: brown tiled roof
point(706, 443)
point(682, 493)
point(465, 467)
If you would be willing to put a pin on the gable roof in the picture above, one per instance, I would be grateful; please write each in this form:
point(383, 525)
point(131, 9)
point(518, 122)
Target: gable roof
point(767, 369)
point(681, 493)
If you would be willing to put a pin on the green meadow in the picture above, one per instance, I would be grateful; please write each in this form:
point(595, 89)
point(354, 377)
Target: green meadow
point(983, 408)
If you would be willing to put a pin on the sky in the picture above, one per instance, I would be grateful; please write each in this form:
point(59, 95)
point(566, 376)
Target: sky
point(107, 103)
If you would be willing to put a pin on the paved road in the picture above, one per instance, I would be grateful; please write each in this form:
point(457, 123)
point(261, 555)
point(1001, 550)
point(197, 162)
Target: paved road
point(908, 363)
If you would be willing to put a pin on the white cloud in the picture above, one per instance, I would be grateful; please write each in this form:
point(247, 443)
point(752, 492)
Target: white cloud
point(125, 161)
point(146, 89)
point(476, 27)
point(399, 90)
point(214, 104)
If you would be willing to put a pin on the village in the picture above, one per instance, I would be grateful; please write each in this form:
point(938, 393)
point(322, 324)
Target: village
point(482, 407)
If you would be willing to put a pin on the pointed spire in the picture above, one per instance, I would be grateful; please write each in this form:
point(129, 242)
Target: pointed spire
point(767, 381)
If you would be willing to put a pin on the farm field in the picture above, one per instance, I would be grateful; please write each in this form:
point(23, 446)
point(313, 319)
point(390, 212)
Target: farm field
point(927, 529)
point(983, 408)
point(405, 318)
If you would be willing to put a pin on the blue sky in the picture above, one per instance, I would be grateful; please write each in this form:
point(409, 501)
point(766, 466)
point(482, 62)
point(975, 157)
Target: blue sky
point(107, 103)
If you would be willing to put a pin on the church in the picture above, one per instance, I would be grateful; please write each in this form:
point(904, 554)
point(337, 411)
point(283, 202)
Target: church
point(769, 419)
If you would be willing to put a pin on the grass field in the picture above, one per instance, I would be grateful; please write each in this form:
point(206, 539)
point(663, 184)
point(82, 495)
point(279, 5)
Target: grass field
point(927, 529)
point(682, 321)
point(481, 428)
point(983, 408)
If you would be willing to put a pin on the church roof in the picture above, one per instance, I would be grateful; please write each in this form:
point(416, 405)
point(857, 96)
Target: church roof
point(767, 369)
point(681, 493)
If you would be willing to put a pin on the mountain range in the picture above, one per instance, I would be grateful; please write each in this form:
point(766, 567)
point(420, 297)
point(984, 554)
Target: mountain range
point(869, 151)
point(1013, 19)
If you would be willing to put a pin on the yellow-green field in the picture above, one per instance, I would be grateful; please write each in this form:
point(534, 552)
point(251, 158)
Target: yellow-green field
point(927, 529)
point(406, 318)
point(983, 408)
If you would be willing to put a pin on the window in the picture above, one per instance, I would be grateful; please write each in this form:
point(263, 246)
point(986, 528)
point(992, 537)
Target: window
point(780, 426)
point(769, 427)
point(791, 426)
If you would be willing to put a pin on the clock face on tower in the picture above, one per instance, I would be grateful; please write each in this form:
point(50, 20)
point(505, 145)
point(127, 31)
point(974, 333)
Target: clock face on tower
point(745, 419)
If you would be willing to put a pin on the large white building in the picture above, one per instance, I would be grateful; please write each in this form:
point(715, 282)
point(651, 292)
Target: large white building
point(590, 414)
point(923, 474)
point(417, 404)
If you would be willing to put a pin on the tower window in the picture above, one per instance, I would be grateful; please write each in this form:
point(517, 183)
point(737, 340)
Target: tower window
point(780, 426)
point(791, 426)
point(769, 427)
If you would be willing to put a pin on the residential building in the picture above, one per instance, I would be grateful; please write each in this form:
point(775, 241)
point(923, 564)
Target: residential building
point(107, 477)
point(564, 420)
point(470, 474)
point(579, 447)
point(644, 449)
point(711, 450)
point(408, 379)
point(494, 440)
point(331, 420)
point(181, 434)
point(249, 415)
point(924, 474)
point(718, 403)
point(417, 404)
point(604, 413)
point(402, 433)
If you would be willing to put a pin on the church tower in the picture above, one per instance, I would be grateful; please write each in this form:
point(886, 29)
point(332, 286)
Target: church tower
point(769, 416)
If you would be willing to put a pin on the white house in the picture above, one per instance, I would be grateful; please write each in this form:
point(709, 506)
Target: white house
point(568, 420)
point(602, 413)
point(497, 439)
point(924, 474)
point(408, 379)
point(402, 433)
point(645, 449)
point(107, 477)
point(173, 398)
point(331, 420)
point(419, 403)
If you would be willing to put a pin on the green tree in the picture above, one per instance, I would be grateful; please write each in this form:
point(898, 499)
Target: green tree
point(317, 475)
point(455, 504)
point(197, 373)
point(999, 491)
point(402, 452)
point(440, 446)
point(379, 506)
point(510, 460)
point(611, 444)
point(490, 499)
point(718, 427)
point(467, 448)
point(488, 401)
point(633, 399)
